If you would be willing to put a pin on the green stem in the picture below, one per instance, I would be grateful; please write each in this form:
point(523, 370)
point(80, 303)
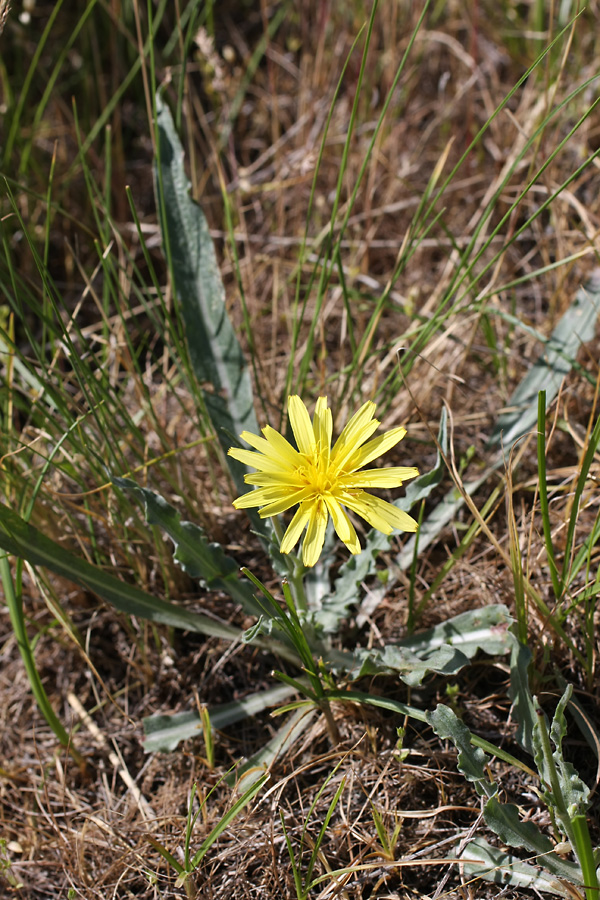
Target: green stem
point(296, 581)
point(295, 570)
point(559, 800)
point(585, 855)
point(277, 528)
point(575, 827)
point(412, 712)
point(543, 494)
point(15, 611)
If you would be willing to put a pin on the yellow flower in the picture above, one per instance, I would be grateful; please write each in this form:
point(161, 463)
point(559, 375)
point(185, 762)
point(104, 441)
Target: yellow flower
point(321, 479)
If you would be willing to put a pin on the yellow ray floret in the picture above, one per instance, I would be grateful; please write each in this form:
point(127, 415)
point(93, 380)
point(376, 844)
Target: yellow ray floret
point(321, 479)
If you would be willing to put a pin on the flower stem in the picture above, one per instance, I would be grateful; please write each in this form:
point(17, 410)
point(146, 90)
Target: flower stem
point(296, 580)
point(295, 571)
point(332, 729)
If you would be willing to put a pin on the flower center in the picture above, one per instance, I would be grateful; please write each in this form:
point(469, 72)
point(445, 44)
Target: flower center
point(319, 478)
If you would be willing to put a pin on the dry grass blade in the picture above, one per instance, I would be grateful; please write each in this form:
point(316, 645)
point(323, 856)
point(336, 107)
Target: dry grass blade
point(4, 11)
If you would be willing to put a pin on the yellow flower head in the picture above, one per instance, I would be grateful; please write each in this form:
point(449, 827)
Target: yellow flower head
point(321, 479)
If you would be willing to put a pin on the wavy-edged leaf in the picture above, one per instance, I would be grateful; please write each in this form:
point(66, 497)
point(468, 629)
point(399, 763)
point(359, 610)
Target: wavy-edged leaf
point(411, 669)
point(480, 860)
point(444, 649)
point(198, 557)
point(503, 818)
point(471, 760)
point(22, 539)
point(575, 793)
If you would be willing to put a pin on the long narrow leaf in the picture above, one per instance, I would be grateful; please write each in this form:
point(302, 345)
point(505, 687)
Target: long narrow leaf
point(25, 541)
point(229, 816)
point(164, 733)
point(198, 557)
point(214, 349)
point(575, 327)
point(480, 860)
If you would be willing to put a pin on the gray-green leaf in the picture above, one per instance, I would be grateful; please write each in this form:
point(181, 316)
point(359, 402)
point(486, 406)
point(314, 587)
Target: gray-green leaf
point(214, 349)
point(22, 539)
point(198, 557)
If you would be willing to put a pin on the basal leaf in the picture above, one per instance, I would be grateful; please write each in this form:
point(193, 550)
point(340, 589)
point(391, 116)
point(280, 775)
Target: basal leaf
point(198, 557)
point(505, 820)
point(22, 539)
point(445, 649)
point(556, 360)
point(477, 629)
point(411, 669)
point(164, 732)
point(214, 349)
point(523, 706)
point(480, 860)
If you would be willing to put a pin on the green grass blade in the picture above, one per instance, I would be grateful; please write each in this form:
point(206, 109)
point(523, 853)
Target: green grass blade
point(543, 494)
point(323, 831)
point(586, 462)
point(229, 816)
point(17, 619)
point(16, 123)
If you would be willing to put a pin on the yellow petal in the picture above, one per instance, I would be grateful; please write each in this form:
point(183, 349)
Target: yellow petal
point(280, 448)
point(301, 425)
point(342, 524)
point(255, 441)
point(289, 478)
point(374, 448)
point(259, 461)
point(360, 427)
point(393, 476)
point(315, 534)
point(257, 498)
point(379, 513)
point(295, 528)
point(285, 501)
point(322, 430)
